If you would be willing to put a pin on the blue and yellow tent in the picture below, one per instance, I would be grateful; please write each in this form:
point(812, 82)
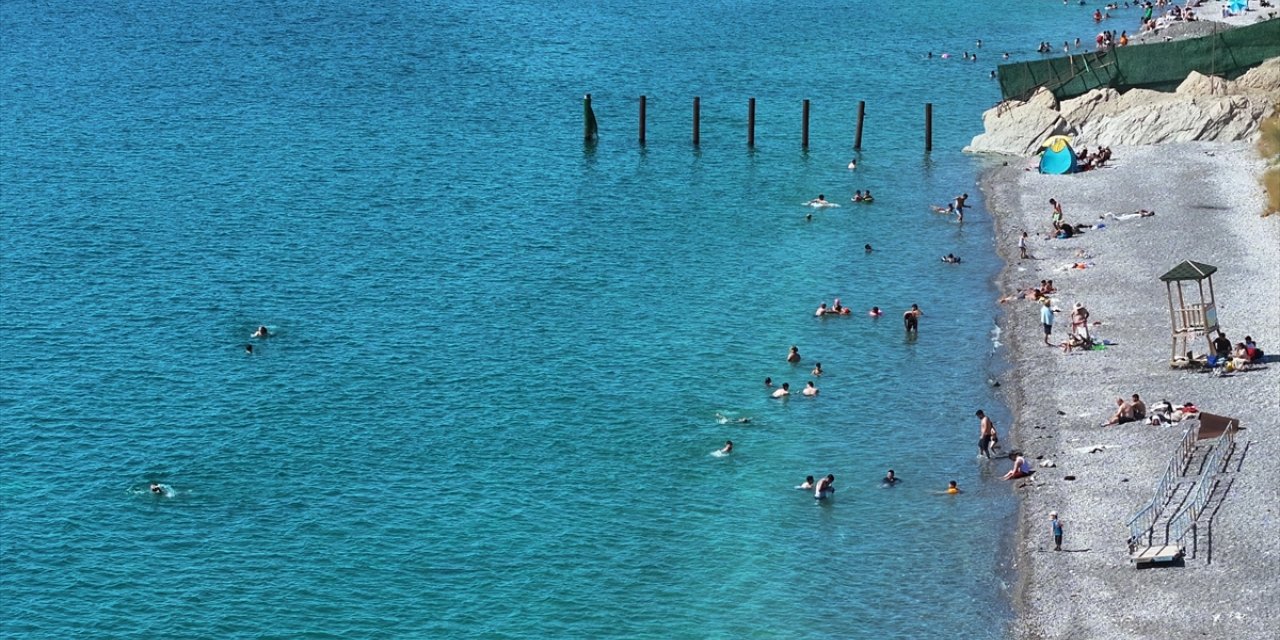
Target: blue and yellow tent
point(1057, 156)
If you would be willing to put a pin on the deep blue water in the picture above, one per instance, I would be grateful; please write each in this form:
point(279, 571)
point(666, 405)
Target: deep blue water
point(498, 356)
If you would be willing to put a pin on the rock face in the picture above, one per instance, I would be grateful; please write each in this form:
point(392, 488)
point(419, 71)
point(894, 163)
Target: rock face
point(1203, 108)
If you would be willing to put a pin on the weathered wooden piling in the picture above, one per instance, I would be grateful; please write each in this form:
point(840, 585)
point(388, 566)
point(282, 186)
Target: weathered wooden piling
point(751, 122)
point(862, 114)
point(928, 126)
point(642, 107)
point(804, 126)
point(697, 108)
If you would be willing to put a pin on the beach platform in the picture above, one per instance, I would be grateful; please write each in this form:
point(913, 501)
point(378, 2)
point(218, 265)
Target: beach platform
point(1157, 554)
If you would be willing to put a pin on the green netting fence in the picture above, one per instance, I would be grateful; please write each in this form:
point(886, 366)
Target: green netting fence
point(1161, 66)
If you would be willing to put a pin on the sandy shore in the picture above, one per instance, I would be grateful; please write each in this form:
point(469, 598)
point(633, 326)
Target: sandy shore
point(1207, 201)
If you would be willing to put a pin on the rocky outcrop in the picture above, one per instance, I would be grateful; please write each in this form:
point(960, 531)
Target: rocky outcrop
point(1203, 108)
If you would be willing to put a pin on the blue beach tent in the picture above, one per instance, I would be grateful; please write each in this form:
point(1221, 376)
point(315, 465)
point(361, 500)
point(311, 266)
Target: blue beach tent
point(1057, 156)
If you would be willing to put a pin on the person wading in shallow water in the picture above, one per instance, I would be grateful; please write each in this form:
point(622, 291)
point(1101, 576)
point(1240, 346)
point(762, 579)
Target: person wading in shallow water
point(911, 319)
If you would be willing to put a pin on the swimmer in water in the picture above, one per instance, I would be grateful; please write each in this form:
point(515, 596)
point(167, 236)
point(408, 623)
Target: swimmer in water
point(157, 488)
point(822, 310)
point(857, 196)
point(261, 332)
point(875, 312)
point(868, 197)
point(949, 209)
point(853, 164)
point(810, 389)
point(807, 485)
point(889, 479)
point(817, 369)
point(952, 489)
point(248, 349)
point(825, 488)
point(768, 383)
point(794, 356)
point(866, 248)
point(728, 447)
point(820, 201)
point(783, 391)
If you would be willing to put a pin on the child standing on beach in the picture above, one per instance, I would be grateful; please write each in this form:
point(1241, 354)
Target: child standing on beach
point(1056, 524)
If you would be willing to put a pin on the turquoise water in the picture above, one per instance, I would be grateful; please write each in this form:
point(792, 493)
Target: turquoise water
point(489, 402)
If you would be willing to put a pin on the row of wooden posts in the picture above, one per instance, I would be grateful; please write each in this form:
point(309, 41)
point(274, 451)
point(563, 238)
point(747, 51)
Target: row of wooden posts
point(589, 122)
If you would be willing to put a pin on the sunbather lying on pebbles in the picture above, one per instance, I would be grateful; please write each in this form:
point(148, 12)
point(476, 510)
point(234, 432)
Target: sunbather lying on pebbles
point(1140, 213)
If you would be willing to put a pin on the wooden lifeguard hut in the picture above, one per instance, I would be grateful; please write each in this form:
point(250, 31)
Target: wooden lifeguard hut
point(1191, 321)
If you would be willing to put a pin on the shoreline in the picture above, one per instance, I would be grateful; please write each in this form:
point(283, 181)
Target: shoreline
point(1208, 206)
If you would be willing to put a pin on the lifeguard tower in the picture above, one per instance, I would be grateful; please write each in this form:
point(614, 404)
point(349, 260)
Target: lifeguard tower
point(1191, 321)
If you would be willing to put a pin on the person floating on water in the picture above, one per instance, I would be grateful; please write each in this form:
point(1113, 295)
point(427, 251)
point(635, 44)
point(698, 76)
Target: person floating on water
point(952, 488)
point(875, 312)
point(889, 479)
point(157, 488)
point(727, 448)
point(951, 258)
point(262, 332)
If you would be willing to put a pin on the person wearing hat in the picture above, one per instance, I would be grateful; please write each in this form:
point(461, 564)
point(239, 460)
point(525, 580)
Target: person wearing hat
point(1056, 524)
point(1080, 320)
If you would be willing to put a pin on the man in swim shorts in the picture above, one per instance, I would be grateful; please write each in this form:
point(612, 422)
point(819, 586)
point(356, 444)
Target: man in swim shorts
point(783, 391)
point(986, 434)
point(1046, 319)
point(911, 319)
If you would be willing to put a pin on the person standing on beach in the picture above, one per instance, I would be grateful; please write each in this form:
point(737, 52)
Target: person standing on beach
point(1056, 525)
point(1080, 321)
point(986, 434)
point(1057, 210)
point(1022, 246)
point(911, 319)
point(1046, 319)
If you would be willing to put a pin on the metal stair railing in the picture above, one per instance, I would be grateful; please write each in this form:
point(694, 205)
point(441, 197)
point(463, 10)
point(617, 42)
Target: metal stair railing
point(1185, 521)
point(1143, 523)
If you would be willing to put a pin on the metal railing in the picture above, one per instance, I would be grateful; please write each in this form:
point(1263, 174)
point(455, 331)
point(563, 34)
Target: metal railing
point(1185, 521)
point(1143, 523)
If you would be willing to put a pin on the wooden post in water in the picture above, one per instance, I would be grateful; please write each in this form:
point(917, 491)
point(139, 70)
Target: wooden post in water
point(928, 126)
point(697, 108)
point(804, 126)
point(862, 114)
point(642, 105)
point(588, 120)
point(751, 123)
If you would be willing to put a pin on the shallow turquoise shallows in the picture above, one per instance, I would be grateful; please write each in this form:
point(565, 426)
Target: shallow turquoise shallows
point(500, 360)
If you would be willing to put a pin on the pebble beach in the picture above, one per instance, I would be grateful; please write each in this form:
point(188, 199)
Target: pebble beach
point(1207, 202)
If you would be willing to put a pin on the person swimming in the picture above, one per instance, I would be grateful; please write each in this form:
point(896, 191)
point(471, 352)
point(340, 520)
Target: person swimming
point(727, 448)
point(875, 312)
point(949, 209)
point(807, 484)
point(889, 479)
point(853, 164)
point(783, 391)
point(821, 201)
point(768, 382)
point(857, 196)
point(794, 356)
point(157, 488)
point(952, 488)
point(810, 389)
point(868, 198)
point(248, 349)
point(951, 258)
point(866, 248)
point(262, 332)
point(817, 369)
